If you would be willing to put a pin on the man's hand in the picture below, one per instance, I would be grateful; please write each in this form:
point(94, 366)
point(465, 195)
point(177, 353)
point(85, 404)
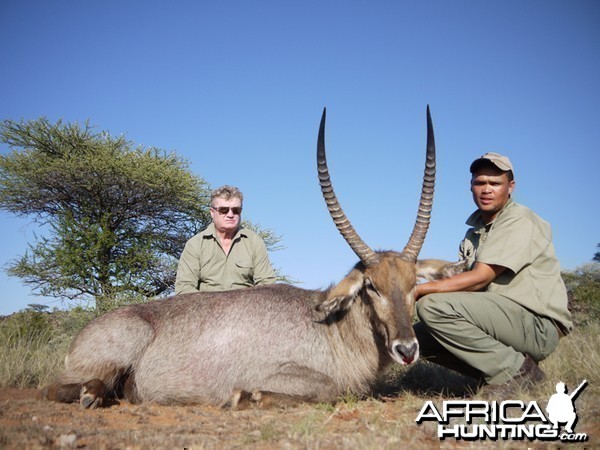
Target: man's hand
point(474, 280)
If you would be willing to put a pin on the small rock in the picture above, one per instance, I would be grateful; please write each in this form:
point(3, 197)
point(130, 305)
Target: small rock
point(66, 440)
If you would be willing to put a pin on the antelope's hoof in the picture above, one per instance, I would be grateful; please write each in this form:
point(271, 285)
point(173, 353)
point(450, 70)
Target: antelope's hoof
point(92, 394)
point(238, 400)
point(88, 401)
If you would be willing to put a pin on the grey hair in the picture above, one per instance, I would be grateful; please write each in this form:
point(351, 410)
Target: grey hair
point(227, 193)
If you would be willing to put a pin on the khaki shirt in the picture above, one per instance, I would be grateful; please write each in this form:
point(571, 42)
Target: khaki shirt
point(521, 241)
point(204, 266)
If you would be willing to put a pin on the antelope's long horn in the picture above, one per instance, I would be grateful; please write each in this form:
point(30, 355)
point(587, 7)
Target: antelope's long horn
point(362, 250)
point(415, 242)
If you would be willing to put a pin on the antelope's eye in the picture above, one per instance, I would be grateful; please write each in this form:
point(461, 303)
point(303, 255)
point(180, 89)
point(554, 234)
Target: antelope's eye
point(371, 287)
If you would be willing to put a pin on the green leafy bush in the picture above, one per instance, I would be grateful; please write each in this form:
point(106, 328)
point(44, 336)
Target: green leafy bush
point(583, 285)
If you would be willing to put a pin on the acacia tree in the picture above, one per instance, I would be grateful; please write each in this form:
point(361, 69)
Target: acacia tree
point(117, 216)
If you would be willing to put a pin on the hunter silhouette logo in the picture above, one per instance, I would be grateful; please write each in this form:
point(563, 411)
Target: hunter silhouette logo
point(561, 406)
point(472, 420)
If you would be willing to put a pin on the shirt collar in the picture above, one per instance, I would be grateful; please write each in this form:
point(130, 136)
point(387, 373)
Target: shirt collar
point(211, 232)
point(476, 221)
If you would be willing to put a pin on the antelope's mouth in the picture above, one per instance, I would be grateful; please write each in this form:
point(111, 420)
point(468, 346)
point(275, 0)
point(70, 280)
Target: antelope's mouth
point(405, 352)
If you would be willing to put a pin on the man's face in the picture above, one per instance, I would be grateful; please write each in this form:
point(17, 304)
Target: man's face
point(491, 190)
point(226, 221)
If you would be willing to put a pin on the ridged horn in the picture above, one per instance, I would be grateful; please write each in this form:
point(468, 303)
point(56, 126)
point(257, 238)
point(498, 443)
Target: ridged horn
point(362, 250)
point(415, 242)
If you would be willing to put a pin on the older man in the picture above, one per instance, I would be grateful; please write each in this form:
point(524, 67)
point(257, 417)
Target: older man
point(498, 319)
point(224, 256)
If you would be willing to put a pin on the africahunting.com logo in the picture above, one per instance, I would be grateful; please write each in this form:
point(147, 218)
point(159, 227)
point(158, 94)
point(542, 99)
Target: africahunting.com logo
point(507, 420)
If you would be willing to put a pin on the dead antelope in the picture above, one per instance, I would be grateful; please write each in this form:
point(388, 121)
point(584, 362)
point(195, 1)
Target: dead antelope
point(275, 344)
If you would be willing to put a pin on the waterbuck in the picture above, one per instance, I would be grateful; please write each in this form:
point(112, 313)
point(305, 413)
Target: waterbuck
point(260, 346)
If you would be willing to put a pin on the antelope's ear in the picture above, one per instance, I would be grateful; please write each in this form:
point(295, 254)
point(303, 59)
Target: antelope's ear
point(436, 269)
point(341, 296)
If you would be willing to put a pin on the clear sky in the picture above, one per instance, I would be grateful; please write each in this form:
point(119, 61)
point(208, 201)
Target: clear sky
point(237, 88)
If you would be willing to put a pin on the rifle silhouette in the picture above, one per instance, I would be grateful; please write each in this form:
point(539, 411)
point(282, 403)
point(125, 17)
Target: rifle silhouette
point(576, 392)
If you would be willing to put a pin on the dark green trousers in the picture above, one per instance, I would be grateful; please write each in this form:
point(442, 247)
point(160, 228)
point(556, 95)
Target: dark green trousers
point(481, 334)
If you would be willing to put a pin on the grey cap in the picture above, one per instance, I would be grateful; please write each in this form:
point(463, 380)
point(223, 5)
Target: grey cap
point(500, 161)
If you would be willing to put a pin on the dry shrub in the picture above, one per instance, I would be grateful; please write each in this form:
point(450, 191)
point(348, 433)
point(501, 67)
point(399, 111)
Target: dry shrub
point(33, 345)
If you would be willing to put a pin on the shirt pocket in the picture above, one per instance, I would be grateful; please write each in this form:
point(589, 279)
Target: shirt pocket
point(245, 268)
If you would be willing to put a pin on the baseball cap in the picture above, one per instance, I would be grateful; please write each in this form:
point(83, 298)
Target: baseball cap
point(500, 161)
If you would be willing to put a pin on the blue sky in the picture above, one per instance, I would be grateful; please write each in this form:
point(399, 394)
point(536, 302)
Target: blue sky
point(237, 88)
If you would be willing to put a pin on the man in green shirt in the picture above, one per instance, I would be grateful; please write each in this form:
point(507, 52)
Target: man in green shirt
point(224, 256)
point(498, 319)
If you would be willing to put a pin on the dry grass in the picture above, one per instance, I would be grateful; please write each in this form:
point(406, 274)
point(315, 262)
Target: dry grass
point(33, 345)
point(384, 421)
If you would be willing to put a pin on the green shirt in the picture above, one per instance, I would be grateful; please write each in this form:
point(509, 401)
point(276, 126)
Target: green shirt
point(521, 241)
point(204, 266)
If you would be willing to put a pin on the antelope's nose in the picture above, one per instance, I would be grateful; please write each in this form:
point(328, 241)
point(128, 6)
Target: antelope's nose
point(407, 352)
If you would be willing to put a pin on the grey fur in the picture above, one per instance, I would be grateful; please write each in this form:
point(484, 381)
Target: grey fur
point(202, 347)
